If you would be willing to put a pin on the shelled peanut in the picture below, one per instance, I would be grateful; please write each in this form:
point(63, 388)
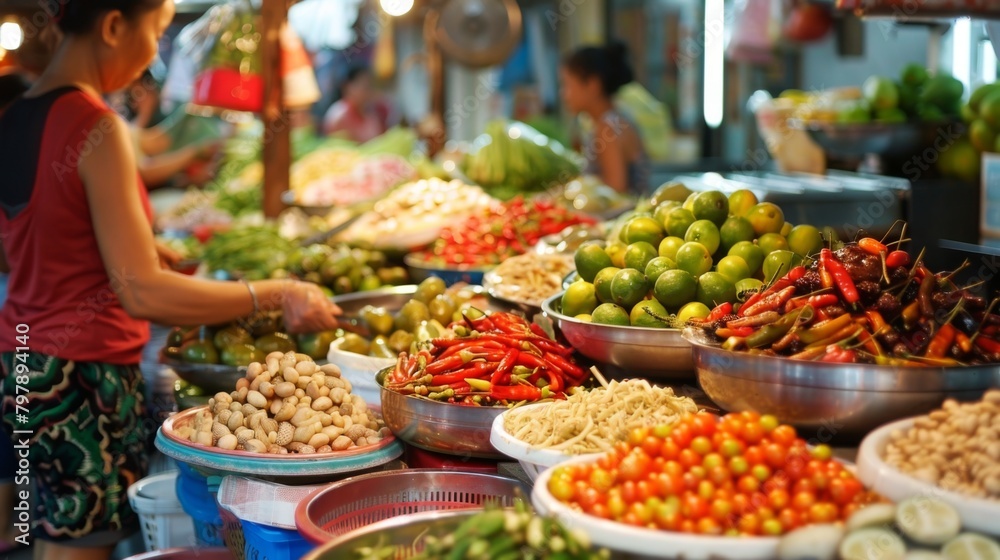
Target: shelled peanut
point(288, 404)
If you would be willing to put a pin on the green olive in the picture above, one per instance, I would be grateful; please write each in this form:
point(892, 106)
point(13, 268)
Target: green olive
point(275, 342)
point(412, 314)
point(400, 341)
point(199, 352)
point(429, 289)
point(378, 320)
point(355, 344)
point(240, 354)
point(316, 345)
point(231, 335)
point(442, 308)
point(380, 348)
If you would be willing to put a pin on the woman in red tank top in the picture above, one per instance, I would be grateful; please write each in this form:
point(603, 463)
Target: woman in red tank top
point(85, 276)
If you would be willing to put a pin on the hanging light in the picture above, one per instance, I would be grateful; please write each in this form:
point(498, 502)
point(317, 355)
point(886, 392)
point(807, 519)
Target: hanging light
point(396, 8)
point(11, 36)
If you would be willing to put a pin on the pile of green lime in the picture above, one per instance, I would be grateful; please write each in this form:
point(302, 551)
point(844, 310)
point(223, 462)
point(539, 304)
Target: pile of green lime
point(962, 158)
point(679, 260)
point(915, 96)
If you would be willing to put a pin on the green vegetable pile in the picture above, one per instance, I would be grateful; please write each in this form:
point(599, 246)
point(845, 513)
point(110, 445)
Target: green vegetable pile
point(496, 534)
point(253, 251)
point(509, 159)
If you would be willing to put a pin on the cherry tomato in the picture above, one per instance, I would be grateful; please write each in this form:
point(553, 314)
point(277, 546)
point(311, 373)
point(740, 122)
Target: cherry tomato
point(749, 524)
point(748, 484)
point(704, 424)
point(739, 465)
point(669, 449)
point(632, 519)
point(691, 481)
point(805, 485)
point(694, 507)
point(795, 464)
point(706, 490)
point(713, 460)
point(601, 480)
point(608, 461)
point(701, 445)
point(771, 527)
point(600, 510)
point(760, 472)
point(778, 499)
point(673, 468)
point(789, 518)
point(682, 435)
point(562, 488)
point(709, 526)
point(668, 485)
point(783, 435)
point(698, 472)
point(629, 493)
point(662, 431)
point(667, 516)
point(823, 512)
point(821, 481)
point(731, 447)
point(766, 513)
point(641, 512)
point(802, 501)
point(720, 510)
point(616, 505)
point(635, 466)
point(822, 452)
point(844, 490)
point(637, 435)
point(778, 481)
point(741, 504)
point(719, 475)
point(687, 526)
point(732, 424)
point(589, 498)
point(754, 455)
point(775, 455)
point(688, 458)
point(753, 433)
point(644, 490)
point(651, 445)
point(750, 416)
point(769, 422)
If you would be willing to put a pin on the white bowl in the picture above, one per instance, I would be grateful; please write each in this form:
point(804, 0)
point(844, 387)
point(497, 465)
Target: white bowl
point(360, 370)
point(649, 543)
point(533, 459)
point(977, 514)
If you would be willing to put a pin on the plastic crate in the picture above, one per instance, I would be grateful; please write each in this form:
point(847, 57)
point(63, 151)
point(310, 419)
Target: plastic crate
point(272, 543)
point(232, 534)
point(162, 519)
point(185, 554)
point(198, 501)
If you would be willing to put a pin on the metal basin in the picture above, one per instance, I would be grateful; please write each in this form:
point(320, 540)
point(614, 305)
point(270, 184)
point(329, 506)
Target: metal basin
point(210, 377)
point(829, 400)
point(886, 139)
point(636, 351)
point(453, 429)
point(392, 299)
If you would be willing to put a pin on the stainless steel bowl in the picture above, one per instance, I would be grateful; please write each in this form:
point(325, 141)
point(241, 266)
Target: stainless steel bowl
point(636, 351)
point(827, 399)
point(392, 299)
point(210, 377)
point(406, 532)
point(886, 139)
point(440, 427)
point(420, 271)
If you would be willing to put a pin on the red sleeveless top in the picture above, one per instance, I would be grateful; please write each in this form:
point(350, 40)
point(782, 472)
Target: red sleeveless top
point(58, 287)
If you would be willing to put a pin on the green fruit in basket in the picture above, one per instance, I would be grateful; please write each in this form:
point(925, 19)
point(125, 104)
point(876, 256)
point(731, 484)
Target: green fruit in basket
point(712, 206)
point(734, 230)
point(590, 259)
point(704, 232)
point(399, 341)
point(890, 116)
point(968, 114)
point(199, 352)
point(668, 247)
point(316, 345)
point(678, 221)
point(377, 319)
point(693, 310)
point(766, 217)
point(942, 91)
point(771, 242)
point(602, 284)
point(805, 240)
point(694, 259)
point(671, 191)
point(662, 211)
point(927, 521)
point(343, 285)
point(674, 288)
point(658, 266)
point(880, 93)
point(741, 201)
point(914, 75)
point(980, 93)
point(380, 348)
point(412, 314)
point(638, 255)
point(714, 288)
point(579, 298)
point(752, 254)
point(393, 276)
point(232, 334)
point(778, 263)
point(357, 345)
point(982, 136)
point(585, 317)
point(241, 354)
point(858, 113)
point(616, 252)
point(429, 289)
point(610, 314)
point(263, 325)
point(629, 287)
point(442, 308)
point(734, 268)
point(649, 313)
point(275, 342)
point(643, 229)
point(369, 283)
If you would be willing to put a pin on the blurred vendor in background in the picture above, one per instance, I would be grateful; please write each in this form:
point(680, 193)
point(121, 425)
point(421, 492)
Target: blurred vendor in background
point(360, 114)
point(590, 77)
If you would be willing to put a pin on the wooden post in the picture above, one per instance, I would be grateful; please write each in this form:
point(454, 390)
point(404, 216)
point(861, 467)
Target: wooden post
point(277, 153)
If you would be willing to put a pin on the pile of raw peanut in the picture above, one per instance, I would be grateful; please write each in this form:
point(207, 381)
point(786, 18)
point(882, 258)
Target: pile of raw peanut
point(956, 448)
point(289, 404)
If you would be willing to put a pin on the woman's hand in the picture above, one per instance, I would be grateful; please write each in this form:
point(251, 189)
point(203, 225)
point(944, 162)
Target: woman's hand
point(168, 257)
point(307, 309)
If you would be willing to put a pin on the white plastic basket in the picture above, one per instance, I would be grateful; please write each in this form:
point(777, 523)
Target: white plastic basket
point(534, 460)
point(360, 371)
point(163, 521)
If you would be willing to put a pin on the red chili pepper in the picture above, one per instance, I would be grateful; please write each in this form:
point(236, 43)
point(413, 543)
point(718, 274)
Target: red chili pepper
point(876, 322)
point(988, 344)
point(787, 280)
point(555, 381)
point(537, 329)
point(742, 332)
point(720, 311)
point(963, 341)
point(823, 300)
point(770, 302)
point(515, 393)
point(871, 246)
point(840, 276)
point(941, 341)
point(550, 346)
point(837, 354)
point(477, 370)
point(530, 360)
point(869, 342)
point(505, 365)
point(897, 259)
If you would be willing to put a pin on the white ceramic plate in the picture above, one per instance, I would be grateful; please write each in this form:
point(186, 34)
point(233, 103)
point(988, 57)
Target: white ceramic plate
point(619, 537)
point(977, 514)
point(533, 460)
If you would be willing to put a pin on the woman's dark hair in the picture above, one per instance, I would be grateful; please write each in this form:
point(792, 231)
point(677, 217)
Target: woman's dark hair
point(609, 64)
point(79, 16)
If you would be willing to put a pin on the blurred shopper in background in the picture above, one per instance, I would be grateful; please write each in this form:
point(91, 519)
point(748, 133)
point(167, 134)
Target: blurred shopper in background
point(360, 114)
point(590, 77)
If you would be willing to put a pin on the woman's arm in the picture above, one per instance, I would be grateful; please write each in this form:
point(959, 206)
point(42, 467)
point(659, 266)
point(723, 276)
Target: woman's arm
point(609, 148)
point(125, 239)
point(153, 141)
